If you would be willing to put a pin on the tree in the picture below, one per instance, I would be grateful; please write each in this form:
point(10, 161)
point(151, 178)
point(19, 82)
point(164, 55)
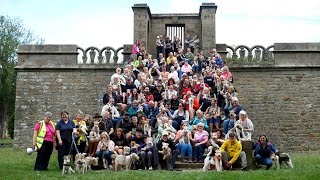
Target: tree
point(12, 34)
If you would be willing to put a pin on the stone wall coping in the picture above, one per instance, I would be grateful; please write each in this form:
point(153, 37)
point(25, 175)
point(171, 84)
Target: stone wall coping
point(72, 67)
point(259, 67)
point(208, 6)
point(297, 46)
point(175, 15)
point(142, 6)
point(48, 49)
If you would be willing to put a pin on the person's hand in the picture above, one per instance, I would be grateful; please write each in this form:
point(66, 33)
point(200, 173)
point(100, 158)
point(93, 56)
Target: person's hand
point(197, 144)
point(60, 143)
point(229, 162)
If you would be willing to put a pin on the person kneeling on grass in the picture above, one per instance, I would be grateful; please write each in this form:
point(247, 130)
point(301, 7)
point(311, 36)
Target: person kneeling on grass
point(263, 151)
point(231, 149)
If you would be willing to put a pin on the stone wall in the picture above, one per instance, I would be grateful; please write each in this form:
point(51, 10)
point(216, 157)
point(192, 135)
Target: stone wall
point(282, 102)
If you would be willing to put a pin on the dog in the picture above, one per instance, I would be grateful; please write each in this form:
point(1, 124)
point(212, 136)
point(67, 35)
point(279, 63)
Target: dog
point(80, 163)
point(218, 160)
point(126, 150)
point(91, 161)
point(67, 165)
point(147, 129)
point(149, 144)
point(238, 130)
point(94, 135)
point(104, 160)
point(212, 140)
point(125, 161)
point(278, 160)
point(209, 160)
point(166, 151)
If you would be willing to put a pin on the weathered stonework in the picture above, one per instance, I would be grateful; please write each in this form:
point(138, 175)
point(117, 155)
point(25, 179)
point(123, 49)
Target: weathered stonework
point(282, 102)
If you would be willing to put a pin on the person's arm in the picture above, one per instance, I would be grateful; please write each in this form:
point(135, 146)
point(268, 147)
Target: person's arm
point(59, 137)
point(218, 112)
point(111, 131)
point(178, 136)
point(116, 112)
point(35, 134)
point(186, 115)
point(223, 146)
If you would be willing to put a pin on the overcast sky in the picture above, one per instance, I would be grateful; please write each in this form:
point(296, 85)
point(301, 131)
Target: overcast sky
point(110, 23)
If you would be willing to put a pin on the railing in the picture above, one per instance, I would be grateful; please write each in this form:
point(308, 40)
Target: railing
point(256, 54)
point(93, 55)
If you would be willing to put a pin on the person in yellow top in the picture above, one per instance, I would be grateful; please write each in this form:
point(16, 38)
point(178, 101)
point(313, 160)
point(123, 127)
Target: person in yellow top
point(80, 137)
point(44, 140)
point(171, 59)
point(231, 150)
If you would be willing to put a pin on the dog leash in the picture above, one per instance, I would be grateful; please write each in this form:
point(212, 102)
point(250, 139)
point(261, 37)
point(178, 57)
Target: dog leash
point(73, 144)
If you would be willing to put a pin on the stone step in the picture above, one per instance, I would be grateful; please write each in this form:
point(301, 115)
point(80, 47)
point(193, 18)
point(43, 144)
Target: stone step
point(179, 165)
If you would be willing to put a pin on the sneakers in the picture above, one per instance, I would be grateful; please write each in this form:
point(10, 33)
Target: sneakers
point(190, 160)
point(110, 167)
point(150, 168)
point(159, 167)
point(201, 161)
point(170, 168)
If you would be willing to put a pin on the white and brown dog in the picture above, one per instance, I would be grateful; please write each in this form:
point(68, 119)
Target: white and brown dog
point(166, 151)
point(218, 160)
point(91, 161)
point(125, 161)
point(94, 135)
point(238, 130)
point(80, 164)
point(278, 160)
point(67, 165)
point(209, 160)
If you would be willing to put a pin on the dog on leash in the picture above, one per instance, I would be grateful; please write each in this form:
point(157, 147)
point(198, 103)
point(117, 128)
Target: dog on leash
point(125, 161)
point(278, 160)
point(212, 140)
point(91, 161)
point(80, 164)
point(67, 165)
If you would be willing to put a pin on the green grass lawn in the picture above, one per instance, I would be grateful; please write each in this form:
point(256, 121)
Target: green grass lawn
point(16, 164)
point(6, 141)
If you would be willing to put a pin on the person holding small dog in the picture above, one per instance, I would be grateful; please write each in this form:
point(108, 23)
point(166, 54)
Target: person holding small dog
point(231, 150)
point(44, 140)
point(263, 151)
point(80, 137)
point(105, 148)
point(184, 139)
point(64, 129)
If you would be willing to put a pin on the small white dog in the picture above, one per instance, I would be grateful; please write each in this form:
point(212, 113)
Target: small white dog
point(166, 151)
point(67, 165)
point(212, 140)
point(209, 160)
point(125, 161)
point(284, 157)
point(147, 129)
point(80, 164)
point(218, 160)
point(238, 130)
point(91, 161)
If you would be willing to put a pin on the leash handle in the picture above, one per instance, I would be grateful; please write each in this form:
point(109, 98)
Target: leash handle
point(73, 143)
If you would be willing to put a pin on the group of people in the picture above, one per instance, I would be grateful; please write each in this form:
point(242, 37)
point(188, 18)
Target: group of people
point(178, 99)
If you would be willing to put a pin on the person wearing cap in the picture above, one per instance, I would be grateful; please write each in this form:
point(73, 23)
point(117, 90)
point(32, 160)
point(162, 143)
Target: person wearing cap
point(44, 140)
point(231, 150)
point(170, 161)
point(65, 129)
point(102, 127)
point(236, 107)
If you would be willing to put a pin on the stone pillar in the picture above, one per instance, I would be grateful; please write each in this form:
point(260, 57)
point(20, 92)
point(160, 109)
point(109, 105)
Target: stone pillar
point(126, 52)
point(208, 27)
point(141, 19)
point(247, 148)
point(222, 50)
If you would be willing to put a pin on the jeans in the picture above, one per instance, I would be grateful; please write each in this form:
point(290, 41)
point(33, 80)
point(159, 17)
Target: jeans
point(226, 123)
point(146, 158)
point(106, 154)
point(196, 69)
point(260, 160)
point(185, 148)
point(198, 151)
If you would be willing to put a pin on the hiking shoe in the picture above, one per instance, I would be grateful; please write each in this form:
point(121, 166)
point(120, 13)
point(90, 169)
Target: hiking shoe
point(190, 160)
point(170, 168)
point(159, 167)
point(201, 161)
point(183, 160)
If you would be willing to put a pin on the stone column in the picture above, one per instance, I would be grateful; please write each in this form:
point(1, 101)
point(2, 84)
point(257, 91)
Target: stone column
point(208, 24)
point(142, 15)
